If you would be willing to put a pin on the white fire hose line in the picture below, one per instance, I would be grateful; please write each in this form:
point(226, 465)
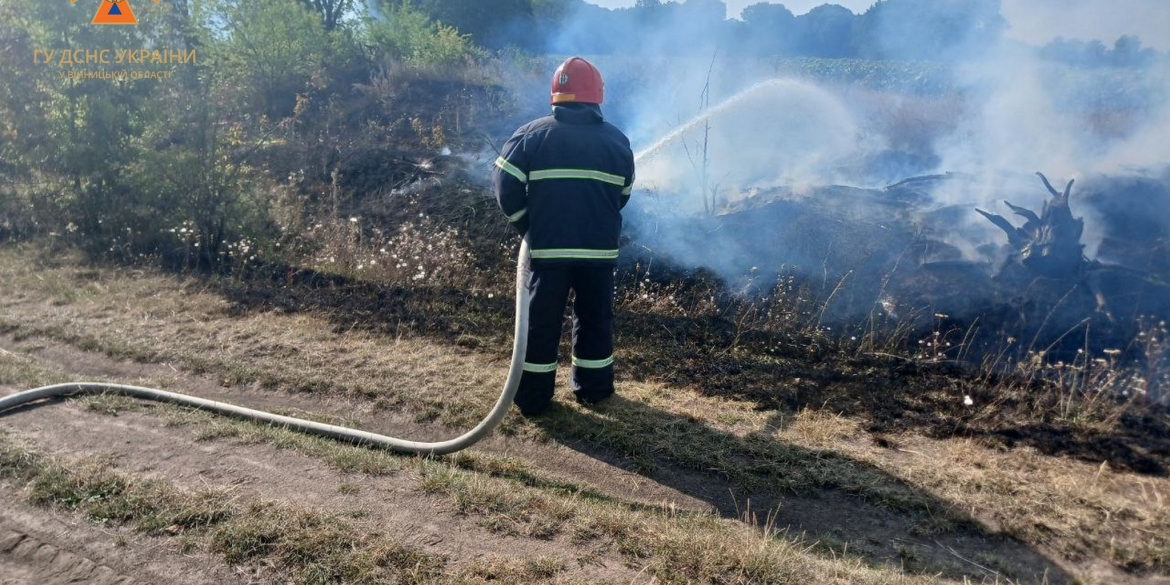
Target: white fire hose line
point(519, 345)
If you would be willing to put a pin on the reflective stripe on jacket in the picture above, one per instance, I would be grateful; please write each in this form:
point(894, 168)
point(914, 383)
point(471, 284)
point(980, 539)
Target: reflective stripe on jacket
point(563, 180)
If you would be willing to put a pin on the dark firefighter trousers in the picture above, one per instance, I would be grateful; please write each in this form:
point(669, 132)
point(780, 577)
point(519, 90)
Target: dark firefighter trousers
point(592, 373)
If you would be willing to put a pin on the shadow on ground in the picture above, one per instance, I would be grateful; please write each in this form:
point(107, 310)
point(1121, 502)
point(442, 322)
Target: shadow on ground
point(845, 506)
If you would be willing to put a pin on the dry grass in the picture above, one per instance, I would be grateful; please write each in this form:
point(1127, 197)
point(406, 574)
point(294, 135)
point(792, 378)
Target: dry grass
point(306, 546)
point(508, 498)
point(1081, 511)
point(145, 317)
point(298, 546)
point(820, 429)
point(21, 371)
point(544, 569)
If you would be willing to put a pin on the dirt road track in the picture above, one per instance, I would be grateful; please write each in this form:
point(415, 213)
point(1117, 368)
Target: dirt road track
point(39, 548)
point(30, 559)
point(49, 547)
point(55, 547)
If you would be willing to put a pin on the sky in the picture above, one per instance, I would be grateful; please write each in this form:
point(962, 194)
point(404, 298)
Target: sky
point(734, 6)
point(1034, 21)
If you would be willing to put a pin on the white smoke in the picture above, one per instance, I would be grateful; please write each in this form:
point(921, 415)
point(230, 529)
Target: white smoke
point(777, 132)
point(714, 126)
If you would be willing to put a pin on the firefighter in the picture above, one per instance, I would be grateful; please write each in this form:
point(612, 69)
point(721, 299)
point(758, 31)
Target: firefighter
point(562, 181)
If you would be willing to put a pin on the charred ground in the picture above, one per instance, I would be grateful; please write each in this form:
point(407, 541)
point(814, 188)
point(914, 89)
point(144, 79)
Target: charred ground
point(771, 347)
point(718, 384)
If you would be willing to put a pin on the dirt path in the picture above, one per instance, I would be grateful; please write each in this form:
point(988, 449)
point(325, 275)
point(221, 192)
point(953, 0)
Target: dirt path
point(54, 547)
point(39, 546)
point(145, 441)
point(553, 458)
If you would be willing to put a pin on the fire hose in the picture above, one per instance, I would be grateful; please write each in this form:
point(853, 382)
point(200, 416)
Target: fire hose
point(486, 426)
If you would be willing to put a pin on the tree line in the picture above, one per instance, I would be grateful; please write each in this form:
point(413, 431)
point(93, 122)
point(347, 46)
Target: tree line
point(258, 127)
point(289, 110)
point(933, 30)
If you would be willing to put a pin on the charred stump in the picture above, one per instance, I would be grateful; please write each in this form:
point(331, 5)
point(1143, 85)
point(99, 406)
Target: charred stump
point(1048, 244)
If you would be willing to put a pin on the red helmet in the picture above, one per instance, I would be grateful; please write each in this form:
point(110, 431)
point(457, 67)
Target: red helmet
point(577, 80)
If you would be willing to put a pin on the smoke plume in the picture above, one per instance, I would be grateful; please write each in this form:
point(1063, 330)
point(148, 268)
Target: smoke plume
point(736, 146)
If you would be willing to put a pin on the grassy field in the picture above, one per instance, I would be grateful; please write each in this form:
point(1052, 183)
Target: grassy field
point(862, 469)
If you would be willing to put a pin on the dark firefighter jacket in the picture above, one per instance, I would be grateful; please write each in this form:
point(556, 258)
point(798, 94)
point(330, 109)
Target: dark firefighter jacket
point(562, 180)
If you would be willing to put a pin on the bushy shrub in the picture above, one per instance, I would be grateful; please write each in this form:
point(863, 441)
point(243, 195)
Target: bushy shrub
point(268, 51)
point(407, 35)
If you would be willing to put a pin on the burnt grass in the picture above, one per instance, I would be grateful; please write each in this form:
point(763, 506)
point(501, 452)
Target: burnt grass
point(727, 350)
point(889, 395)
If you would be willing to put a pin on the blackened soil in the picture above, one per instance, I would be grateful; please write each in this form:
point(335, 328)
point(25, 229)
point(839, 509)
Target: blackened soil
point(781, 371)
point(725, 350)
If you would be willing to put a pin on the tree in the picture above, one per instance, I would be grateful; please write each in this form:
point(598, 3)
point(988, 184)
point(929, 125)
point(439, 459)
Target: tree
point(273, 49)
point(570, 26)
point(770, 29)
point(74, 134)
point(493, 25)
point(929, 29)
point(407, 35)
point(1128, 52)
point(704, 13)
point(331, 11)
point(826, 31)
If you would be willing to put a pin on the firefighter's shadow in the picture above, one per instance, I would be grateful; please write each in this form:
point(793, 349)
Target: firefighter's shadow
point(839, 505)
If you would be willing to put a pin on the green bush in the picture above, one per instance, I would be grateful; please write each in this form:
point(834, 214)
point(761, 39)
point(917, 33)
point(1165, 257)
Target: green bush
point(268, 50)
point(406, 34)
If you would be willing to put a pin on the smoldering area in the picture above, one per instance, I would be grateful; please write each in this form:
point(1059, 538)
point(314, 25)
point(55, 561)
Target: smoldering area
point(857, 182)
